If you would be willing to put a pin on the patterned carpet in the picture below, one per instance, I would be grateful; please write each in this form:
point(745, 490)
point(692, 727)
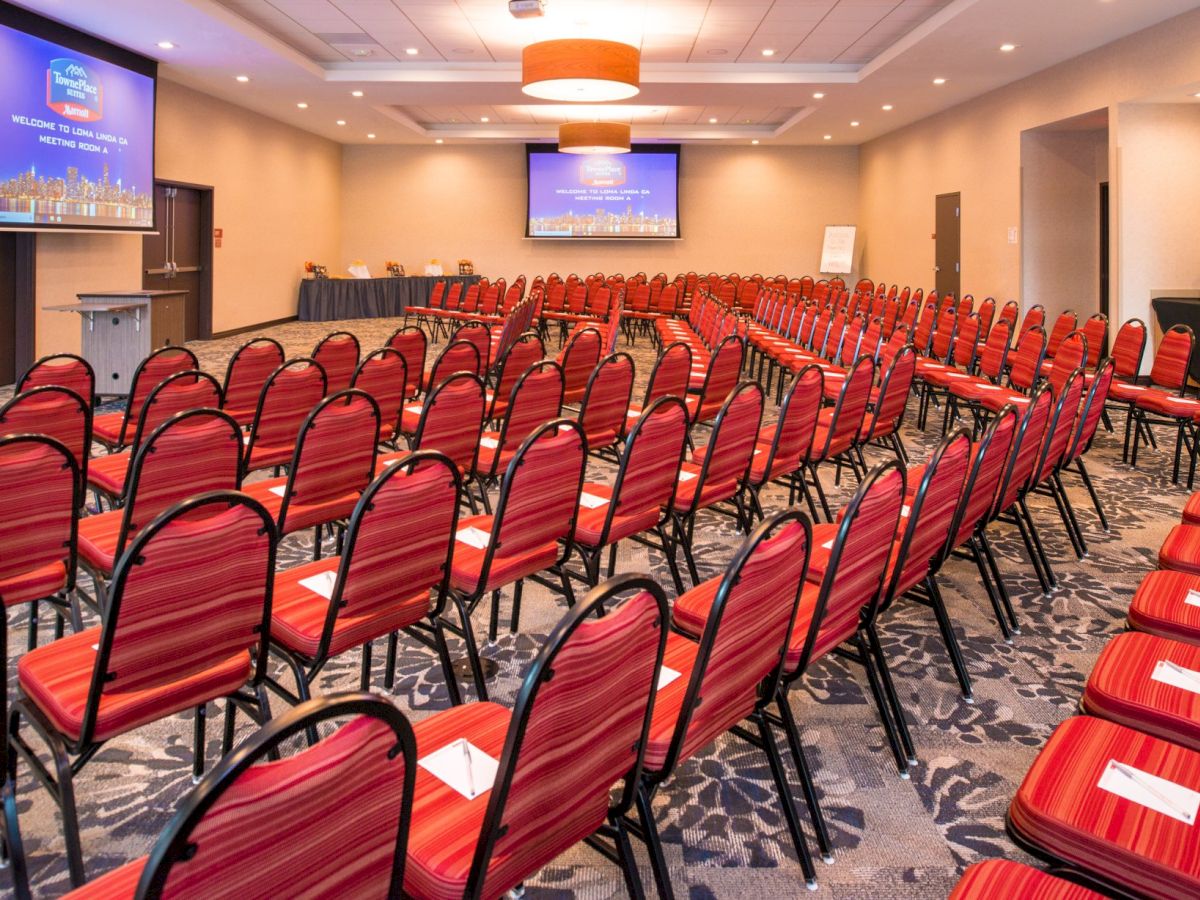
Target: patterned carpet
point(724, 834)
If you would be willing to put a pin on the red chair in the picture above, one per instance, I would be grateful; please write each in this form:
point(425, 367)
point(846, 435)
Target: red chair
point(186, 623)
point(192, 452)
point(1010, 312)
point(735, 666)
point(987, 314)
point(1063, 815)
point(332, 465)
point(383, 374)
point(1168, 403)
point(669, 378)
point(61, 370)
point(451, 423)
point(478, 335)
point(338, 354)
point(411, 343)
point(721, 377)
point(587, 695)
point(253, 823)
point(780, 449)
point(1127, 351)
point(394, 557)
point(456, 356)
point(640, 498)
point(602, 412)
point(839, 426)
point(1046, 479)
point(527, 351)
point(112, 429)
point(249, 368)
point(578, 359)
point(57, 412)
point(1003, 879)
point(718, 472)
point(176, 393)
point(289, 394)
point(990, 367)
point(1164, 605)
point(1035, 317)
point(881, 426)
point(1095, 329)
point(1065, 323)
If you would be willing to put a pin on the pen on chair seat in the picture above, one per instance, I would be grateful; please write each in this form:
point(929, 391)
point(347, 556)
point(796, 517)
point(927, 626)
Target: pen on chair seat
point(1132, 775)
point(470, 775)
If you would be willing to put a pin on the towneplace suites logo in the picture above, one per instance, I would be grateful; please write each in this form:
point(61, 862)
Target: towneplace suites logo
point(74, 91)
point(601, 171)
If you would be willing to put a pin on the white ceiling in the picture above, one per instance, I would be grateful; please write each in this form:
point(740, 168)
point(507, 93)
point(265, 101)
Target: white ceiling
point(701, 60)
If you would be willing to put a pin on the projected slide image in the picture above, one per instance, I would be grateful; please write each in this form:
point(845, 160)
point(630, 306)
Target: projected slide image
point(76, 138)
point(627, 195)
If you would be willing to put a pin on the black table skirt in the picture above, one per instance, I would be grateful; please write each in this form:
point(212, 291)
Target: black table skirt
point(322, 299)
point(1178, 311)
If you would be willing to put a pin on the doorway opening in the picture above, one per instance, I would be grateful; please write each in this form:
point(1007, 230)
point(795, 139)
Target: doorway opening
point(16, 304)
point(179, 256)
point(947, 263)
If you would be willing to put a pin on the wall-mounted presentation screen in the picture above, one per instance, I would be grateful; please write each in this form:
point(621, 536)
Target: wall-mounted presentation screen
point(76, 130)
point(625, 195)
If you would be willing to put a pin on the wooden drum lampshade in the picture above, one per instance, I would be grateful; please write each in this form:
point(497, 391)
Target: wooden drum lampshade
point(593, 137)
point(580, 70)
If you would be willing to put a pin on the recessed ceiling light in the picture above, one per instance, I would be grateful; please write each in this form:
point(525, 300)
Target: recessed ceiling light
point(1007, 48)
point(463, 50)
point(939, 81)
point(362, 51)
point(301, 105)
point(754, 142)
point(768, 52)
point(485, 119)
point(341, 121)
point(242, 78)
point(887, 107)
point(356, 93)
point(166, 45)
point(371, 136)
point(438, 141)
point(712, 120)
point(411, 51)
point(1196, 95)
point(818, 96)
point(854, 124)
point(717, 51)
point(829, 137)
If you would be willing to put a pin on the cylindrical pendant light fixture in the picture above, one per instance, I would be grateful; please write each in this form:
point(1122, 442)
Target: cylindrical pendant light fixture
point(593, 137)
point(580, 70)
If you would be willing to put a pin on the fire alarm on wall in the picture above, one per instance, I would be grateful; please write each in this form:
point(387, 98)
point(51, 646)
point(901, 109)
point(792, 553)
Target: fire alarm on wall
point(526, 9)
point(218, 233)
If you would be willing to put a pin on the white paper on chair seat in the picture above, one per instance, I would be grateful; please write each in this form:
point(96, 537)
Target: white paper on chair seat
point(490, 443)
point(686, 476)
point(1150, 791)
point(665, 676)
point(473, 537)
point(904, 511)
point(1176, 675)
point(633, 414)
point(591, 501)
point(463, 766)
point(279, 490)
point(322, 583)
point(416, 410)
point(392, 462)
point(1192, 598)
point(828, 545)
point(245, 437)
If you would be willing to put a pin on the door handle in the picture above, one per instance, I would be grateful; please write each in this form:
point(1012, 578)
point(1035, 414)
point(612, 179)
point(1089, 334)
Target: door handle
point(937, 268)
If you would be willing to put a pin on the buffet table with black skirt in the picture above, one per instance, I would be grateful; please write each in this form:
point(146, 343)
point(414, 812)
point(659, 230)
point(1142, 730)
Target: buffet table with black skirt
point(322, 299)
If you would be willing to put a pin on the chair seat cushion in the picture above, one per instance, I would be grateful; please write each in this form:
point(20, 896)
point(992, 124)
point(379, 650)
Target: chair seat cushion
point(1160, 605)
point(589, 522)
point(1168, 403)
point(1191, 510)
point(34, 584)
point(107, 473)
point(98, 536)
point(1121, 687)
point(973, 389)
point(996, 400)
point(300, 515)
point(106, 427)
point(119, 884)
point(1126, 392)
point(56, 678)
point(1181, 550)
point(1003, 879)
point(445, 824)
point(410, 417)
point(266, 456)
point(1061, 808)
point(467, 567)
point(691, 608)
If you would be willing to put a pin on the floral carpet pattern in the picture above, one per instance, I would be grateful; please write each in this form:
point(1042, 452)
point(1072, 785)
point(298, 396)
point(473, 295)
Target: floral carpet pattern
point(722, 827)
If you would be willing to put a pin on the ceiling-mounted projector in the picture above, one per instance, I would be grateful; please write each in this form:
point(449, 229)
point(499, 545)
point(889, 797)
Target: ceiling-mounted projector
point(526, 9)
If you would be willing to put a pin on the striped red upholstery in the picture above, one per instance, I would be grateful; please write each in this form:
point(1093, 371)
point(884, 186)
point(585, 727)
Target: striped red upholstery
point(1062, 427)
point(1181, 550)
point(1066, 322)
point(54, 411)
point(1072, 354)
point(986, 475)
point(286, 399)
point(1128, 347)
point(725, 461)
point(578, 359)
point(1023, 458)
point(37, 530)
point(788, 443)
point(535, 400)
point(1121, 687)
point(452, 420)
point(249, 369)
point(1060, 808)
point(383, 374)
point(1171, 361)
point(1026, 358)
point(60, 370)
point(113, 428)
point(1191, 510)
point(893, 398)
point(410, 342)
point(176, 393)
point(1093, 408)
point(720, 378)
point(1095, 329)
point(338, 355)
point(605, 666)
point(1003, 879)
point(457, 356)
point(527, 351)
point(994, 354)
point(1160, 605)
point(478, 335)
point(606, 401)
point(1035, 316)
point(838, 428)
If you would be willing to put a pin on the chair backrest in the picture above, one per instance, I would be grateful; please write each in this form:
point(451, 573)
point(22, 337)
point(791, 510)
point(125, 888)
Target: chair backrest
point(338, 354)
point(893, 395)
point(668, 300)
point(850, 409)
point(987, 312)
point(1173, 358)
point(524, 352)
point(942, 340)
point(40, 494)
point(578, 359)
point(858, 561)
point(480, 335)
point(1063, 325)
point(61, 370)
point(438, 295)
point(452, 419)
point(649, 466)
point(724, 367)
point(149, 374)
point(1061, 429)
point(249, 368)
point(1026, 358)
point(383, 374)
point(454, 297)
point(1128, 348)
point(731, 446)
point(536, 398)
point(795, 425)
point(256, 819)
point(985, 477)
point(1072, 353)
point(410, 342)
point(966, 341)
point(1026, 449)
point(1095, 329)
point(746, 635)
point(994, 356)
point(212, 556)
point(456, 356)
point(192, 452)
point(606, 400)
point(470, 301)
point(175, 394)
point(1093, 409)
point(671, 373)
point(923, 330)
point(1010, 312)
point(577, 299)
point(56, 412)
point(335, 452)
point(292, 390)
point(931, 513)
point(596, 706)
point(1035, 315)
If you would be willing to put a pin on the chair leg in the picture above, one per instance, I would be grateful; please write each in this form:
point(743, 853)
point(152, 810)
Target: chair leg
point(1071, 520)
point(1087, 482)
point(881, 705)
point(1062, 514)
point(889, 692)
point(364, 672)
point(683, 538)
point(199, 732)
point(658, 862)
point(1006, 616)
point(629, 869)
point(669, 553)
point(316, 543)
point(785, 800)
point(1034, 560)
point(816, 816)
point(1037, 542)
point(13, 846)
point(949, 638)
point(516, 606)
point(820, 492)
point(472, 649)
point(389, 669)
point(443, 651)
point(494, 618)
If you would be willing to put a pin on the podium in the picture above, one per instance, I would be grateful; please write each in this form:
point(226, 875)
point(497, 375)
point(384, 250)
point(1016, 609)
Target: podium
point(121, 328)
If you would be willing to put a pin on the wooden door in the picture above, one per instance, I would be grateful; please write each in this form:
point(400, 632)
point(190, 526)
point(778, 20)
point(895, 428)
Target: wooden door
point(173, 259)
point(948, 251)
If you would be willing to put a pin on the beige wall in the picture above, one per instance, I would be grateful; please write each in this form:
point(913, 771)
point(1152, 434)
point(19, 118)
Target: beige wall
point(275, 196)
point(975, 148)
point(745, 209)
